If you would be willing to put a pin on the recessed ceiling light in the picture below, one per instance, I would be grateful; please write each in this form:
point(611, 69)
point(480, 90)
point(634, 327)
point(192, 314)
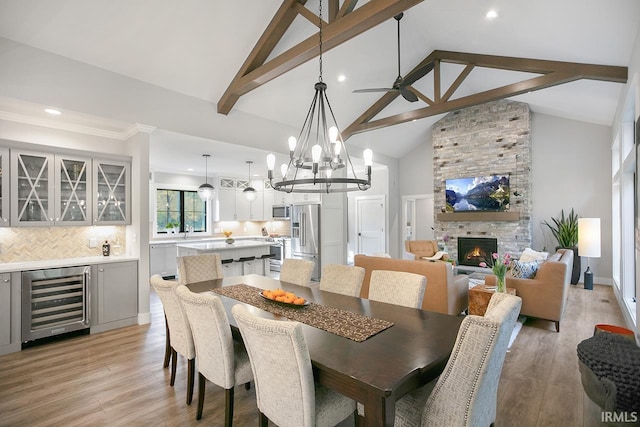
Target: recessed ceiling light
point(342, 78)
point(492, 14)
point(52, 111)
point(190, 169)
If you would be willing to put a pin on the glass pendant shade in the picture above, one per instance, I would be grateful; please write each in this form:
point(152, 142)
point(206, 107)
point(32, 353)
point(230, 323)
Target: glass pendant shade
point(206, 191)
point(249, 193)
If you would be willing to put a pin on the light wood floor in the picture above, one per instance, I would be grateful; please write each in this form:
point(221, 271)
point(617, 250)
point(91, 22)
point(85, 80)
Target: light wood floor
point(116, 377)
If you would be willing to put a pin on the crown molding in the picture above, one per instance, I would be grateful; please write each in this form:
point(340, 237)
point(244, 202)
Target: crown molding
point(86, 130)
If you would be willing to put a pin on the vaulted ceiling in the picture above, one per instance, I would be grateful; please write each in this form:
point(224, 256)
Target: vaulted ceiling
point(197, 48)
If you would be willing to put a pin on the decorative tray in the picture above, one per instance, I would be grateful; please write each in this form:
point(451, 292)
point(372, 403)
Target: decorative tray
point(288, 304)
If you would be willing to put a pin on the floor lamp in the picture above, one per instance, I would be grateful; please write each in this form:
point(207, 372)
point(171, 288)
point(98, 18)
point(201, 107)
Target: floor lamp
point(589, 245)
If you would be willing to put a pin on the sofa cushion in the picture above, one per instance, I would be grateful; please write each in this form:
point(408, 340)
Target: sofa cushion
point(523, 270)
point(529, 255)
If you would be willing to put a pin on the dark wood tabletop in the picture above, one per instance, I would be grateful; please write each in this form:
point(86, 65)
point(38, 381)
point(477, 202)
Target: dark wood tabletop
point(377, 371)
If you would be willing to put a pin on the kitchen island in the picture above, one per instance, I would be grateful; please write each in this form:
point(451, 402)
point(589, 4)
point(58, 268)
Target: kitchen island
point(239, 257)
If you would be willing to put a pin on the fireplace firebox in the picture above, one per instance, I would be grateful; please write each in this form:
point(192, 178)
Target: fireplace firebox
point(474, 250)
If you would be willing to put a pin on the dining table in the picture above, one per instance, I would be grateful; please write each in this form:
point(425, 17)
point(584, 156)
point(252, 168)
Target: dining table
point(376, 371)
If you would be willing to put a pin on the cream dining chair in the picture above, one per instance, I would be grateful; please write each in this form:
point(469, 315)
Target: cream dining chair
point(181, 338)
point(198, 268)
point(342, 279)
point(458, 398)
point(297, 271)
point(285, 390)
point(221, 359)
point(397, 287)
point(191, 269)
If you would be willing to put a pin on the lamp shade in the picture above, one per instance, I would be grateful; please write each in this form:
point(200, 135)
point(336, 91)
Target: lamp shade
point(589, 237)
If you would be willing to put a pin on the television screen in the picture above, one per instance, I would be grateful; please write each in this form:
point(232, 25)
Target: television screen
point(480, 193)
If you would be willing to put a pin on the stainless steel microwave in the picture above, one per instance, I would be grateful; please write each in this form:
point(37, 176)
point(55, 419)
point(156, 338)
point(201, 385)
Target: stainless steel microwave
point(281, 212)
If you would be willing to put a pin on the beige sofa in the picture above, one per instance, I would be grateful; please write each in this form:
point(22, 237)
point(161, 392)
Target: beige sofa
point(544, 296)
point(445, 292)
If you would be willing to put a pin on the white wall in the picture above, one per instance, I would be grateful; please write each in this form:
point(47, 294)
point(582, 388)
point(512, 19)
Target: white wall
point(416, 169)
point(571, 168)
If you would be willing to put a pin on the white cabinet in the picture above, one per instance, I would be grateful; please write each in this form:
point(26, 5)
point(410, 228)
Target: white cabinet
point(306, 198)
point(163, 259)
point(117, 299)
point(4, 187)
point(232, 269)
point(111, 189)
point(232, 205)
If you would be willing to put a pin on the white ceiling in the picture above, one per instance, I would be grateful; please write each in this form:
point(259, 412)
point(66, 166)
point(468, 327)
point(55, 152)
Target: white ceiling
point(195, 47)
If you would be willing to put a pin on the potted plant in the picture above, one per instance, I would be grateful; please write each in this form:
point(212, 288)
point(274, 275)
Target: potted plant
point(565, 230)
point(172, 227)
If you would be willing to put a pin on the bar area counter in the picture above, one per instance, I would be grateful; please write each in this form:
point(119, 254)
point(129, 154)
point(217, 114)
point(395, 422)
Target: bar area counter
point(236, 250)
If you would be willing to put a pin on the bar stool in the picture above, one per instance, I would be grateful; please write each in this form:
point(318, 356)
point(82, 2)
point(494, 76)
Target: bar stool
point(246, 263)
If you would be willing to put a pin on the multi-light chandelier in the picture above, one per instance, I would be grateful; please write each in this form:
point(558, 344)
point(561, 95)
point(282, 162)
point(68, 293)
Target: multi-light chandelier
point(319, 161)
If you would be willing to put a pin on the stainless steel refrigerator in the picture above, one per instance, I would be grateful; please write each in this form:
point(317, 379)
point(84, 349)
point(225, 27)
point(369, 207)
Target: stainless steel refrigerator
point(305, 235)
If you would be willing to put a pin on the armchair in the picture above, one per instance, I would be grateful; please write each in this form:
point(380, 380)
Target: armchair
point(421, 248)
point(545, 295)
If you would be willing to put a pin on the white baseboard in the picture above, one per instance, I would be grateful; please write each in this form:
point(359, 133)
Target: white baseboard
point(144, 318)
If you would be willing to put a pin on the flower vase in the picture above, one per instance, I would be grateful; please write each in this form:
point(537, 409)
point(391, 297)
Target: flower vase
point(500, 285)
point(229, 241)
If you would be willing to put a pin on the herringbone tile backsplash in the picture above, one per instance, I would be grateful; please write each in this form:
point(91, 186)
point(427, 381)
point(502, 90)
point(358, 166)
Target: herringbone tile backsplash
point(18, 244)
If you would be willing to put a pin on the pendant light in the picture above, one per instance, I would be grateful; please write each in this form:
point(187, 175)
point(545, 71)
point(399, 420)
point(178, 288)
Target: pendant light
point(250, 193)
point(206, 190)
point(319, 162)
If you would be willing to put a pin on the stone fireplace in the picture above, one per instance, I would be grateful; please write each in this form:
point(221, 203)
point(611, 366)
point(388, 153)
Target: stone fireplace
point(488, 139)
point(474, 250)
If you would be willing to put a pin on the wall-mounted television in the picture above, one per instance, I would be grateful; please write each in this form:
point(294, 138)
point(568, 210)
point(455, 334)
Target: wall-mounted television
point(479, 193)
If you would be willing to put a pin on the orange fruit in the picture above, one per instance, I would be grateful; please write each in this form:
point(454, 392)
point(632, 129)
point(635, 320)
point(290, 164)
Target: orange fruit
point(299, 301)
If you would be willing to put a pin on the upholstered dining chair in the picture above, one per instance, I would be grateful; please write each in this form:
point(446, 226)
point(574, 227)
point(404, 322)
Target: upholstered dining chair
point(221, 359)
point(181, 338)
point(342, 279)
point(458, 398)
point(285, 390)
point(397, 287)
point(297, 271)
point(198, 268)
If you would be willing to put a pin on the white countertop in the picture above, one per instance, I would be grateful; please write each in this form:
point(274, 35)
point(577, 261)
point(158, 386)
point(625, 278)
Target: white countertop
point(65, 262)
point(180, 240)
point(221, 245)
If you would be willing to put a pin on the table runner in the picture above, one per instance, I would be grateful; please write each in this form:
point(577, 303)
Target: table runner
point(354, 326)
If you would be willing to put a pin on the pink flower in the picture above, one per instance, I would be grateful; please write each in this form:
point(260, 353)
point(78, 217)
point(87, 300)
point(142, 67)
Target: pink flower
point(494, 255)
point(483, 264)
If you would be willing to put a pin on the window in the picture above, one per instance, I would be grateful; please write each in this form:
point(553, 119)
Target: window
point(181, 209)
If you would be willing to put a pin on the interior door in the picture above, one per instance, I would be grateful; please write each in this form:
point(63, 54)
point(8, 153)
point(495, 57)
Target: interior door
point(371, 225)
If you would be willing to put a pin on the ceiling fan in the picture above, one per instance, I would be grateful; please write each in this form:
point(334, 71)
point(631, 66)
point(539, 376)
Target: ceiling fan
point(400, 84)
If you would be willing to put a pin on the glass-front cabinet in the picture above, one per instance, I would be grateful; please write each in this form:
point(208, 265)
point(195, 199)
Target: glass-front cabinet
point(111, 184)
point(73, 183)
point(32, 192)
point(4, 187)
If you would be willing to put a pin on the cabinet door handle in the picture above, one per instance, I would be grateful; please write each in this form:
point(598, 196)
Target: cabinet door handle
point(6, 280)
point(101, 270)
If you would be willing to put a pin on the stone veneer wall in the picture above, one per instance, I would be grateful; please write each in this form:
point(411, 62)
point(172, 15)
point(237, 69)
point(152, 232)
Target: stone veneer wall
point(478, 141)
point(18, 244)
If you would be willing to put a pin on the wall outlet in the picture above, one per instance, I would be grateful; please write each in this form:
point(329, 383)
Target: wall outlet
point(93, 242)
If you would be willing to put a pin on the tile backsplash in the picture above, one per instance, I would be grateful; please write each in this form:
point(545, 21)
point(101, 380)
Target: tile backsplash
point(18, 244)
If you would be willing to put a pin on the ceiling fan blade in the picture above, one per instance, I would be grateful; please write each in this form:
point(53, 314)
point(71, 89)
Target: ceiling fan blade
point(413, 77)
point(377, 89)
point(408, 95)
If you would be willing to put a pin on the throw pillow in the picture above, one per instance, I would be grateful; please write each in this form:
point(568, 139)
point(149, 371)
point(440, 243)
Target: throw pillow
point(529, 255)
point(523, 270)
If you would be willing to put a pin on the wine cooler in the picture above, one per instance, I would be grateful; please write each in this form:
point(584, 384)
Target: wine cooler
point(54, 301)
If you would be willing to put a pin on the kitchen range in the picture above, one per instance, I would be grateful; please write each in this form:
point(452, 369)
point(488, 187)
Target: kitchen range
point(279, 250)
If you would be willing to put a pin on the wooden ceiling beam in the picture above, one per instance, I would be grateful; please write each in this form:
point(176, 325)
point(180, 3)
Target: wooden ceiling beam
point(547, 80)
point(539, 66)
point(255, 73)
point(552, 73)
